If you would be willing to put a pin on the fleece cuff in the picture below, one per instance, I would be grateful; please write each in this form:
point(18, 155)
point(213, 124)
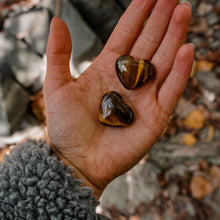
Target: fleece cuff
point(34, 184)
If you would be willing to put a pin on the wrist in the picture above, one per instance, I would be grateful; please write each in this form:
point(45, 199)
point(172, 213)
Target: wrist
point(97, 191)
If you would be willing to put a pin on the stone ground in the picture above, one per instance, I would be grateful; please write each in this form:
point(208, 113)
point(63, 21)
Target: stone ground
point(180, 177)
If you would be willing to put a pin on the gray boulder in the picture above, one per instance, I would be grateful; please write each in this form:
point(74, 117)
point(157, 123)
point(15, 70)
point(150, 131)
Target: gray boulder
point(29, 68)
point(85, 43)
point(32, 26)
point(14, 100)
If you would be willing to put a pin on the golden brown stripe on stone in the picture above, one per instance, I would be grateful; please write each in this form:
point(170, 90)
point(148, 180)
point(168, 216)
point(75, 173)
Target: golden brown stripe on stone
point(133, 73)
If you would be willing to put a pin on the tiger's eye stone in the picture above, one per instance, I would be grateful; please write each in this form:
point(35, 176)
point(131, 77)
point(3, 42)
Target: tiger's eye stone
point(133, 73)
point(113, 111)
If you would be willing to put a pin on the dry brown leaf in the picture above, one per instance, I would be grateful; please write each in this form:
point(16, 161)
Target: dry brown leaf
point(200, 187)
point(38, 108)
point(194, 68)
point(189, 140)
point(4, 151)
point(204, 65)
point(203, 165)
point(195, 120)
point(215, 172)
point(211, 133)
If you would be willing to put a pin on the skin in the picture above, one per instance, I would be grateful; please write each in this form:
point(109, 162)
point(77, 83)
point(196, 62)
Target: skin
point(99, 153)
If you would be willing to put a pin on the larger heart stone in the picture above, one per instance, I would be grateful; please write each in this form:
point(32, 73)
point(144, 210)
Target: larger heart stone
point(133, 73)
point(113, 111)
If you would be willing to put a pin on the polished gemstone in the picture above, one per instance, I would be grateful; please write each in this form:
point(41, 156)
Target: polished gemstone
point(133, 73)
point(113, 111)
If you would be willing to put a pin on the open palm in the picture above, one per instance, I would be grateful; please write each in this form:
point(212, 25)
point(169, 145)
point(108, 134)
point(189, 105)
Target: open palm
point(99, 153)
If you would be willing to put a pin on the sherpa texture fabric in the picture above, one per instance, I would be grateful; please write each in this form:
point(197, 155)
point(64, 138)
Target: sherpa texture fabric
point(34, 184)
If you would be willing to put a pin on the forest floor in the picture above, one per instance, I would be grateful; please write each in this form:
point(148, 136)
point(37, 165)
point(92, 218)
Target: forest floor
point(180, 177)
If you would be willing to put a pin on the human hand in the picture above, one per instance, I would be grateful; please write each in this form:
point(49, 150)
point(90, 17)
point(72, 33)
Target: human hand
point(100, 153)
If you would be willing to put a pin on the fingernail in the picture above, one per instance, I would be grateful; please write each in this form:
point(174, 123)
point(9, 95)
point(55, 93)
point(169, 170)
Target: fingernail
point(185, 2)
point(192, 45)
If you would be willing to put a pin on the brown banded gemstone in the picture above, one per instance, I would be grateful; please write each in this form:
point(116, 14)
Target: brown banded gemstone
point(133, 73)
point(113, 111)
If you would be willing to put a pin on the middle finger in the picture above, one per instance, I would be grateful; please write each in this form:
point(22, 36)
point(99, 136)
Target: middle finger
point(154, 30)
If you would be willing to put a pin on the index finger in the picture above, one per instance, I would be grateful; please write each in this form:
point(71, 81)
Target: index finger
point(129, 26)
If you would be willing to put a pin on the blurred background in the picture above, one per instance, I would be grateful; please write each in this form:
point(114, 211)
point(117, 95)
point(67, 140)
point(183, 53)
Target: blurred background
point(180, 177)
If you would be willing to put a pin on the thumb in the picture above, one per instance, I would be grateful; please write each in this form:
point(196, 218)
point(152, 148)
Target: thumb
point(58, 55)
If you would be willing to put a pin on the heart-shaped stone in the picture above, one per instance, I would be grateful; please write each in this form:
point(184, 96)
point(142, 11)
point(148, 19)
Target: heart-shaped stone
point(133, 73)
point(113, 111)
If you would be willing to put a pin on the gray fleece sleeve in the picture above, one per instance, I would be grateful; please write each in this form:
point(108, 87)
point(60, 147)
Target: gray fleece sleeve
point(34, 184)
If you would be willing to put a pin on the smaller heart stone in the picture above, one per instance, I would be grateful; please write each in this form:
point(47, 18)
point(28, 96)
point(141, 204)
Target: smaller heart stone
point(113, 111)
point(133, 73)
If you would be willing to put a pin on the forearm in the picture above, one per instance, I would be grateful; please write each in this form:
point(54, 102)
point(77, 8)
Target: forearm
point(34, 183)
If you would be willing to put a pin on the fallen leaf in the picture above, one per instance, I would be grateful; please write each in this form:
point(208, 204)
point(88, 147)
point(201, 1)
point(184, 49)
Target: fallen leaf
point(200, 187)
point(4, 151)
point(194, 68)
point(203, 165)
point(204, 65)
point(211, 133)
point(189, 140)
point(195, 120)
point(38, 108)
point(215, 172)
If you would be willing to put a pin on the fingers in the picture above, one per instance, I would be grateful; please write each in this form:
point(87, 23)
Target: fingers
point(175, 83)
point(58, 54)
point(173, 39)
point(154, 30)
point(129, 26)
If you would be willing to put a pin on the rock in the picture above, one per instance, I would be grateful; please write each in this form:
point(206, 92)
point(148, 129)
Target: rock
point(49, 5)
point(8, 2)
point(209, 81)
point(213, 19)
point(204, 8)
point(215, 44)
point(213, 202)
point(172, 190)
point(200, 26)
point(32, 26)
point(129, 190)
point(207, 134)
point(215, 173)
point(116, 194)
point(217, 7)
point(174, 153)
point(184, 107)
point(14, 97)
point(164, 209)
point(124, 3)
point(194, 3)
point(184, 203)
point(101, 15)
point(85, 43)
point(34, 132)
point(29, 69)
point(176, 170)
point(4, 123)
